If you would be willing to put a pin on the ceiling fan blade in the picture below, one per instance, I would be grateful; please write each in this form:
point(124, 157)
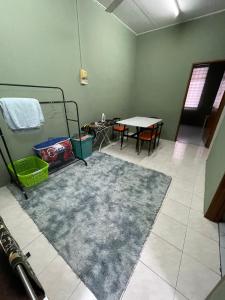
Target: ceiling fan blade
point(113, 5)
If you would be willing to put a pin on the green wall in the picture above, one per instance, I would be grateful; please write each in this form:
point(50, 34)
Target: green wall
point(163, 64)
point(128, 75)
point(215, 165)
point(39, 45)
point(218, 293)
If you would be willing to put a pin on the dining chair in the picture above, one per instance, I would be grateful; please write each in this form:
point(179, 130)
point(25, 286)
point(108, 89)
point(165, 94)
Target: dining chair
point(150, 134)
point(147, 135)
point(158, 128)
point(158, 134)
point(121, 129)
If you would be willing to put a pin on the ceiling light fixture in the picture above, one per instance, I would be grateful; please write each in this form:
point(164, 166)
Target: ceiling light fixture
point(176, 8)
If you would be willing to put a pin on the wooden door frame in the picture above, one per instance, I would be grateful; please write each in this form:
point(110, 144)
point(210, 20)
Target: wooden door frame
point(187, 87)
point(184, 100)
point(216, 209)
point(216, 120)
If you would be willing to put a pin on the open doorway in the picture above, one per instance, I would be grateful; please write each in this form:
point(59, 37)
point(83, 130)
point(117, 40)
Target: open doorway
point(203, 103)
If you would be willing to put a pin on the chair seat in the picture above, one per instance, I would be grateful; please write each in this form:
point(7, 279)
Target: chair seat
point(120, 128)
point(146, 136)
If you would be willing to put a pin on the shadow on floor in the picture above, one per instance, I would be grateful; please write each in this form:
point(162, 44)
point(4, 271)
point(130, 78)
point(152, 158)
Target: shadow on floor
point(190, 135)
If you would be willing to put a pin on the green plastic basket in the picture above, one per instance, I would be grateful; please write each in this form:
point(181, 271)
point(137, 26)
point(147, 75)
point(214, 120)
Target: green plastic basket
point(30, 170)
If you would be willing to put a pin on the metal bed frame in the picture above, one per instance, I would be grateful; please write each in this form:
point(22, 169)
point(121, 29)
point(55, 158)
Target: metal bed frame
point(15, 178)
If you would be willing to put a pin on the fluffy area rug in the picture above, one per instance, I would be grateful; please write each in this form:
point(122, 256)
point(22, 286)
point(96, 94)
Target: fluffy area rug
point(98, 218)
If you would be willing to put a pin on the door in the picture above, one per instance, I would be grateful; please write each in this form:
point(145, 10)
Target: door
point(211, 122)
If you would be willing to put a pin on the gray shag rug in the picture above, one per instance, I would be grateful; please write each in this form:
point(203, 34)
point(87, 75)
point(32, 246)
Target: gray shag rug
point(98, 218)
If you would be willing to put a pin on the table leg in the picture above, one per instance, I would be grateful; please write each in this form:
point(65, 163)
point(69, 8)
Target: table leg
point(137, 143)
point(105, 137)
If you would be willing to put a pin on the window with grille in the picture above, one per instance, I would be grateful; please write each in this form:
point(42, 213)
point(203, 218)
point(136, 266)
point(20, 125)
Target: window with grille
point(196, 86)
point(220, 93)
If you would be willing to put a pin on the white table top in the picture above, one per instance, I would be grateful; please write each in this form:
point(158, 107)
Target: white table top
point(140, 122)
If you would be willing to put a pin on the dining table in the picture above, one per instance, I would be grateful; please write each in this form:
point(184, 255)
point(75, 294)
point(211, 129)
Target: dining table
point(139, 123)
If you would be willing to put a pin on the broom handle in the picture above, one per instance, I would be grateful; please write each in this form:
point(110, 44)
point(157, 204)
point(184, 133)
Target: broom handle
point(26, 283)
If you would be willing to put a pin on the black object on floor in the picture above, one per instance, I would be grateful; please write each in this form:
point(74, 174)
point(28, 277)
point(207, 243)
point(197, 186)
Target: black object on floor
point(17, 279)
point(10, 286)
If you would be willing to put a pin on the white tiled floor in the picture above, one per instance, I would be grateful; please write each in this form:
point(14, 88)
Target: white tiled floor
point(180, 259)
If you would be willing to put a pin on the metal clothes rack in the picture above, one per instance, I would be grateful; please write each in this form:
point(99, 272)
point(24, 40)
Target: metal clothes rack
point(75, 120)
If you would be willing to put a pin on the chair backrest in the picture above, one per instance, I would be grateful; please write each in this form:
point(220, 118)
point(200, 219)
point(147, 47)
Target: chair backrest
point(116, 119)
point(159, 128)
point(151, 130)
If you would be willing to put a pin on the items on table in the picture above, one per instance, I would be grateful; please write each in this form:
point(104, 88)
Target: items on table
point(93, 127)
point(101, 131)
point(103, 117)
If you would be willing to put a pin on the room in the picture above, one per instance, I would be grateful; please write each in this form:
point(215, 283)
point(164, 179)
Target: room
point(112, 156)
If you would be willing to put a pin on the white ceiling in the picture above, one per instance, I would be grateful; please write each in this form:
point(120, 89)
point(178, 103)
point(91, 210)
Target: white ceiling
point(147, 15)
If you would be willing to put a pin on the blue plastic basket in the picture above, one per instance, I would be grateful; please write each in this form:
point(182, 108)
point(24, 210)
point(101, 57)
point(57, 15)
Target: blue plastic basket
point(55, 151)
point(49, 143)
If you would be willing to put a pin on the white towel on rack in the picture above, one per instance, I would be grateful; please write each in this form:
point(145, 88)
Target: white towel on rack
point(22, 113)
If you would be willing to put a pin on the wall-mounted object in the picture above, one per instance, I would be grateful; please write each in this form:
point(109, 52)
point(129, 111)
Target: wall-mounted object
point(83, 77)
point(103, 117)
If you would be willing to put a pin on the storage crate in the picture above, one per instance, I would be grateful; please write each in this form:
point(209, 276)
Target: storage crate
point(30, 170)
point(86, 144)
point(55, 151)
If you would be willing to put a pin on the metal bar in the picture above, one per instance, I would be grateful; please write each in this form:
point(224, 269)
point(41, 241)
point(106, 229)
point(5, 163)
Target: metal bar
point(4, 160)
point(51, 102)
point(57, 102)
point(26, 283)
point(72, 120)
point(43, 87)
point(137, 143)
point(33, 86)
point(56, 169)
point(17, 181)
point(65, 110)
point(79, 132)
point(132, 136)
point(44, 102)
point(9, 156)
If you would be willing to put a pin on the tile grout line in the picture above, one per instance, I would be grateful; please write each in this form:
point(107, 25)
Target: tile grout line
point(197, 231)
point(189, 208)
point(46, 266)
point(181, 294)
point(78, 284)
point(198, 261)
point(157, 274)
point(179, 249)
point(29, 243)
point(188, 254)
point(158, 236)
point(182, 251)
point(175, 220)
